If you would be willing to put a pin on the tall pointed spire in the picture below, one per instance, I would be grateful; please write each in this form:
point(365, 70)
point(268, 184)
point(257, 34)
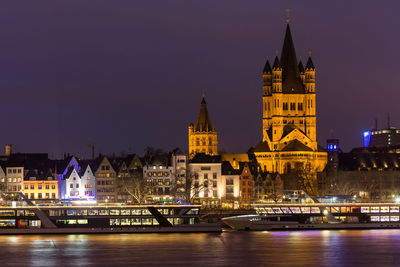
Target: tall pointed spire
point(203, 120)
point(288, 56)
point(291, 81)
point(267, 67)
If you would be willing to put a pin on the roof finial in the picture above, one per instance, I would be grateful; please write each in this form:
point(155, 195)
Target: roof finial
point(287, 15)
point(309, 53)
point(203, 95)
point(276, 52)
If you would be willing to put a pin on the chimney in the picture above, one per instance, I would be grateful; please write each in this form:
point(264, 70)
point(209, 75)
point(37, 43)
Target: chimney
point(8, 150)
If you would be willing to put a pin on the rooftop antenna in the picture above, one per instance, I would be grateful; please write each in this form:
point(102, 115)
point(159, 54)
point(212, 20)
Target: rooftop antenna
point(276, 52)
point(309, 53)
point(388, 120)
point(287, 15)
point(203, 94)
point(331, 133)
point(376, 124)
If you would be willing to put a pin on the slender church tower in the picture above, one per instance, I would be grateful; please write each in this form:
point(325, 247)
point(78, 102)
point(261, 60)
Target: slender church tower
point(203, 135)
point(289, 114)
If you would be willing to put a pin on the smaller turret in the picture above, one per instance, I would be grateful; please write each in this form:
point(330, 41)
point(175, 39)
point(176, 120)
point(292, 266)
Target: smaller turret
point(267, 79)
point(277, 76)
point(301, 71)
point(310, 76)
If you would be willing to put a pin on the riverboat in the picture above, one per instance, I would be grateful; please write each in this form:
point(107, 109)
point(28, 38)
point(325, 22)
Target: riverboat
point(33, 219)
point(318, 216)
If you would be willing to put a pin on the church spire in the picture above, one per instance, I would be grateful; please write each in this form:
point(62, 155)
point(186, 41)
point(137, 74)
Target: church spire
point(203, 123)
point(310, 64)
point(277, 64)
point(267, 67)
point(288, 56)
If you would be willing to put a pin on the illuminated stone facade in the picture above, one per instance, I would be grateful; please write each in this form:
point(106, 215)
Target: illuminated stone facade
point(203, 135)
point(289, 115)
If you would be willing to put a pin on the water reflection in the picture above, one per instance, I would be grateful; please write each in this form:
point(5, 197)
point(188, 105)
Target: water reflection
point(327, 248)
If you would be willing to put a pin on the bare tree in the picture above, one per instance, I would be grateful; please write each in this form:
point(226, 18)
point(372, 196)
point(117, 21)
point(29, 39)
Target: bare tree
point(135, 186)
point(306, 178)
point(345, 185)
point(193, 187)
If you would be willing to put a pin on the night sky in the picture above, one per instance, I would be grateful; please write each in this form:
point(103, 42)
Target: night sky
point(129, 74)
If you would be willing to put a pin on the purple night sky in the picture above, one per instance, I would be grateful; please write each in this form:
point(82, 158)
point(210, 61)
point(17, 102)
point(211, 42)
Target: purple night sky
point(127, 74)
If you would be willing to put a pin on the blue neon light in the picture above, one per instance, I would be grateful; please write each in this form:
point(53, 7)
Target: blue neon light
point(367, 138)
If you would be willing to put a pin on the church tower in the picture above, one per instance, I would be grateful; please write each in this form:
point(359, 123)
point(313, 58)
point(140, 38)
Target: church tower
point(289, 114)
point(203, 135)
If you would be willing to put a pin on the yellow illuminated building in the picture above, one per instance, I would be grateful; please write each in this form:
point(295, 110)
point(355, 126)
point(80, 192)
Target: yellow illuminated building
point(41, 189)
point(202, 135)
point(289, 115)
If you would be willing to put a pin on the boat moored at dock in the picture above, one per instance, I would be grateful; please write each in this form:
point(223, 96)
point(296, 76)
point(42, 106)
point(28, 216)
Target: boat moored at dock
point(318, 216)
point(103, 219)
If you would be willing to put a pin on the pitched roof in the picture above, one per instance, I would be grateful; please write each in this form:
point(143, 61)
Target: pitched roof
point(287, 129)
point(204, 158)
point(267, 67)
point(269, 133)
point(296, 145)
point(227, 169)
point(203, 123)
point(262, 147)
point(301, 67)
point(310, 64)
point(291, 82)
point(276, 64)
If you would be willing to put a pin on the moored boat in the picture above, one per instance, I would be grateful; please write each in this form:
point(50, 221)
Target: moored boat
point(103, 219)
point(318, 216)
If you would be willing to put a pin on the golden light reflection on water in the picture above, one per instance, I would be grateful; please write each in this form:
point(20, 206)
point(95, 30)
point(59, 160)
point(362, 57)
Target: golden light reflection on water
point(332, 248)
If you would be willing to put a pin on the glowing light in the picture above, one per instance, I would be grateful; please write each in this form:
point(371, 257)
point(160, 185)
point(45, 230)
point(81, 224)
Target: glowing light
point(367, 138)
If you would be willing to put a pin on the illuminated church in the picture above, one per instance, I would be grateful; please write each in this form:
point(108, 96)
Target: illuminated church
point(289, 120)
point(203, 134)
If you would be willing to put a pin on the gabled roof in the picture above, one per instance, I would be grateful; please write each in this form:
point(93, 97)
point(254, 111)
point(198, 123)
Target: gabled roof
point(296, 145)
point(84, 165)
point(69, 172)
point(203, 123)
point(291, 82)
point(287, 129)
point(262, 147)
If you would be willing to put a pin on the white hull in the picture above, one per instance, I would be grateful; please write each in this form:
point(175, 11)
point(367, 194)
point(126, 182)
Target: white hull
point(255, 222)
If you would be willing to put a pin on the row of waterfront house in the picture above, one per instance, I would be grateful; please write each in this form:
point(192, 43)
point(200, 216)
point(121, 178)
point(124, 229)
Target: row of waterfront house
point(214, 181)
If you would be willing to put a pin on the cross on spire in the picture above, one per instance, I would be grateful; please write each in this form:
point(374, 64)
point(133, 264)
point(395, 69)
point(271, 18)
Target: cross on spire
point(287, 15)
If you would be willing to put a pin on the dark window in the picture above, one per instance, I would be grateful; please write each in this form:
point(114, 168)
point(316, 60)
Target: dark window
point(300, 106)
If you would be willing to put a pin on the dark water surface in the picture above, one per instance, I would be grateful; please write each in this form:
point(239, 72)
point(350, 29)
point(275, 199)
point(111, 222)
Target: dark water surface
point(308, 248)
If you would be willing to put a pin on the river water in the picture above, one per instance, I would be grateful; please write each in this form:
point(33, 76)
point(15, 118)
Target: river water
point(300, 248)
